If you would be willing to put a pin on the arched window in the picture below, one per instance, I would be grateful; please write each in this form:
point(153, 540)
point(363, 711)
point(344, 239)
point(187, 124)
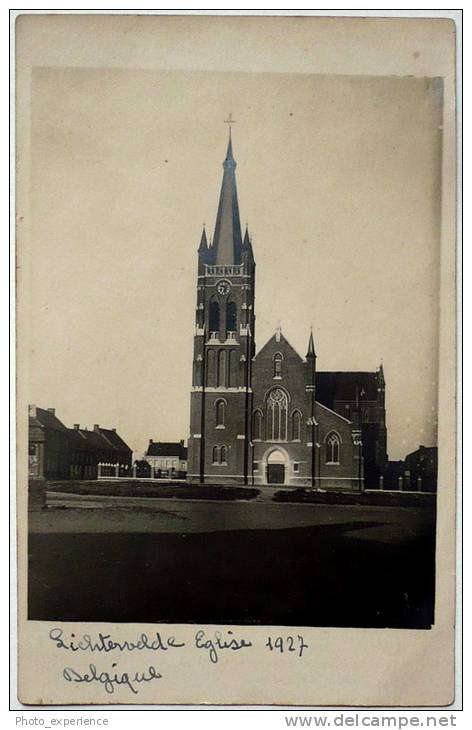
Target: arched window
point(210, 368)
point(221, 376)
point(296, 425)
point(257, 426)
point(332, 448)
point(278, 357)
point(232, 369)
point(220, 412)
point(223, 455)
point(231, 317)
point(214, 316)
point(277, 408)
point(216, 455)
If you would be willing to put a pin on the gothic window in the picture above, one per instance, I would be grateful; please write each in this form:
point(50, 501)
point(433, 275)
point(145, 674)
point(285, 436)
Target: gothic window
point(216, 456)
point(332, 448)
point(277, 408)
point(214, 316)
point(278, 357)
point(231, 317)
point(223, 455)
point(210, 368)
point(232, 369)
point(296, 425)
point(221, 378)
point(257, 426)
point(220, 408)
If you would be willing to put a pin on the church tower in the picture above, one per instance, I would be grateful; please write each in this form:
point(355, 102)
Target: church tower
point(219, 445)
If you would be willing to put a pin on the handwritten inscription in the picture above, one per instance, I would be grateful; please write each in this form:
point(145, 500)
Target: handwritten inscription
point(105, 643)
point(214, 645)
point(110, 680)
point(219, 643)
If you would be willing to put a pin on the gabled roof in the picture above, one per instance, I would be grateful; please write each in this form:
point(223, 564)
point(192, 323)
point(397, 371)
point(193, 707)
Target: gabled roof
point(279, 344)
point(81, 438)
point(167, 448)
point(113, 438)
point(49, 420)
point(333, 386)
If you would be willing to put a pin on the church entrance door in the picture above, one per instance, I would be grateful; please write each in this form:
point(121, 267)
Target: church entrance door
point(275, 473)
point(276, 465)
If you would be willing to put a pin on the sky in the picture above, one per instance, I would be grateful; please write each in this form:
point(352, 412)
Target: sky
point(338, 179)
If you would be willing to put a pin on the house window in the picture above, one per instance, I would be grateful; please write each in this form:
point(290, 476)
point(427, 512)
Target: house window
point(220, 412)
point(278, 357)
point(277, 409)
point(296, 467)
point(332, 449)
point(257, 426)
point(296, 425)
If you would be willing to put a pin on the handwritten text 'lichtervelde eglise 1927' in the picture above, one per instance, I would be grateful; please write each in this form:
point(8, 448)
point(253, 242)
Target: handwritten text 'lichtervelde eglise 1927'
point(215, 644)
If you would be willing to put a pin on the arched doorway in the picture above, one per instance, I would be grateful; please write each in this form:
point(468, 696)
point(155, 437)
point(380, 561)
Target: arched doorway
point(276, 467)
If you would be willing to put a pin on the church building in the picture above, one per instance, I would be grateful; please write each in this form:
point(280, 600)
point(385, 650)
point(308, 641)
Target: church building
point(270, 417)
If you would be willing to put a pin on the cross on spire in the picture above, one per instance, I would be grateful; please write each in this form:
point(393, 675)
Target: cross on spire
point(230, 120)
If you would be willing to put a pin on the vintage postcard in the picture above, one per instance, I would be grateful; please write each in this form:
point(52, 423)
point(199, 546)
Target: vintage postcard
point(236, 360)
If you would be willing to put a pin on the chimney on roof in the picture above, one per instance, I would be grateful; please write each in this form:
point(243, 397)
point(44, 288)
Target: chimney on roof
point(151, 441)
point(181, 442)
point(114, 430)
point(32, 412)
point(96, 427)
point(76, 426)
point(52, 410)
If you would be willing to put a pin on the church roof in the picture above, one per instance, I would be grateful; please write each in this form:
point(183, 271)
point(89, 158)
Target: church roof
point(280, 342)
point(227, 240)
point(333, 386)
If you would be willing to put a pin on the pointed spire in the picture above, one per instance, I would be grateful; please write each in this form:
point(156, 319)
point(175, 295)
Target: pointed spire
point(203, 241)
point(246, 241)
point(311, 345)
point(381, 373)
point(227, 240)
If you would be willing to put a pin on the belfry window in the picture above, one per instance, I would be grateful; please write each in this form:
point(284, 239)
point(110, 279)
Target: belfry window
point(214, 323)
point(220, 408)
point(216, 455)
point(221, 374)
point(278, 365)
point(277, 409)
point(231, 318)
point(210, 368)
point(223, 455)
point(332, 448)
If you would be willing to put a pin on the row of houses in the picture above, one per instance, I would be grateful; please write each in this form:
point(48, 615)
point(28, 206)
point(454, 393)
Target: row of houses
point(417, 472)
point(58, 452)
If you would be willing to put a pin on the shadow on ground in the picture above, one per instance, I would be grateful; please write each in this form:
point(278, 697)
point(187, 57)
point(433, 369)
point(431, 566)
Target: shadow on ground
point(324, 575)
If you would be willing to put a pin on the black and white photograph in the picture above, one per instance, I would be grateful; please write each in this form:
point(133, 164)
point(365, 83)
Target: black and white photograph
point(230, 307)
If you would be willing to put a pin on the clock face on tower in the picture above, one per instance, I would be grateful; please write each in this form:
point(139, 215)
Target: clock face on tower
point(223, 287)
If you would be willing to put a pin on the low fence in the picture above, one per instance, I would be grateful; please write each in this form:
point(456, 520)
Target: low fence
point(137, 471)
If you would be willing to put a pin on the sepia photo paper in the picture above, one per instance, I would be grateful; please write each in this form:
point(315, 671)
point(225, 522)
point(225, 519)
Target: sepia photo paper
point(236, 348)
